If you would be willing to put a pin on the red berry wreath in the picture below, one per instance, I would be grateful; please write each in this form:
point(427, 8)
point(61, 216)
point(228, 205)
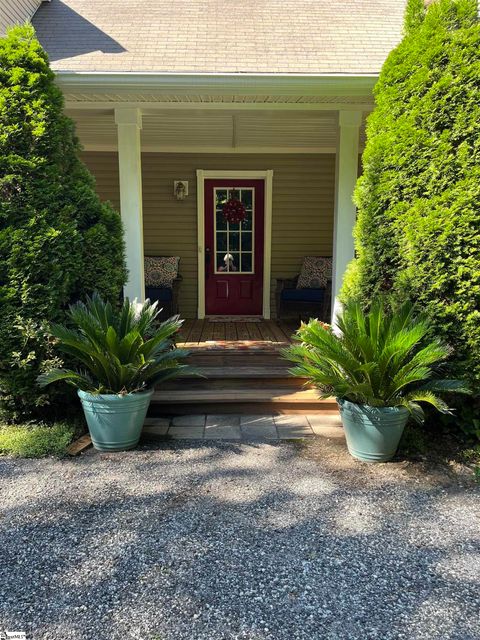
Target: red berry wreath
point(234, 210)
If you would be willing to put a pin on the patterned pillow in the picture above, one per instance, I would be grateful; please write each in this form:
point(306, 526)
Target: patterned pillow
point(161, 272)
point(315, 273)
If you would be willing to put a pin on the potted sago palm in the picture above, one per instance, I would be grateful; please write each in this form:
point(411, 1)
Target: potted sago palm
point(380, 366)
point(121, 354)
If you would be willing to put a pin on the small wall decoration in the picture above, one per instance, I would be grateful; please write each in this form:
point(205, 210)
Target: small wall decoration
point(180, 189)
point(234, 210)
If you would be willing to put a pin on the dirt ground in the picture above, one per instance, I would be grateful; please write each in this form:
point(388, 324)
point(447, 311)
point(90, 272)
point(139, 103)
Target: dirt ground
point(438, 463)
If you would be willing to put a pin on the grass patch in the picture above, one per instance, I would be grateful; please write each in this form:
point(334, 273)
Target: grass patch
point(36, 440)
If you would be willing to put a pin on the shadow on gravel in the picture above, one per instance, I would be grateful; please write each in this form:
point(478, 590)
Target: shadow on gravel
point(225, 541)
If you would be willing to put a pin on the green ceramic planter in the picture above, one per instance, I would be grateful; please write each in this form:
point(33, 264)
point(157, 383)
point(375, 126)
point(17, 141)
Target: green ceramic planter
point(372, 433)
point(115, 422)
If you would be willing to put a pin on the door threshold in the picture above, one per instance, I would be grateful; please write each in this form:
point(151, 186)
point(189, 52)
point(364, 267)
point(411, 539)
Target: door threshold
point(228, 318)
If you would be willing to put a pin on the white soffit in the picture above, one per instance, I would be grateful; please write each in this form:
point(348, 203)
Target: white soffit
point(193, 99)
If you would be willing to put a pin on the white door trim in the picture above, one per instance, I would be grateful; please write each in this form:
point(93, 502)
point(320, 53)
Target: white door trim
point(267, 176)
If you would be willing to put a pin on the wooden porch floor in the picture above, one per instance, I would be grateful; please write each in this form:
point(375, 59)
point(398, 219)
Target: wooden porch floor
point(242, 372)
point(268, 334)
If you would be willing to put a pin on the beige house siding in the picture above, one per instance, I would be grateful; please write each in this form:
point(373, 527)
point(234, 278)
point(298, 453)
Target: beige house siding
point(16, 12)
point(303, 202)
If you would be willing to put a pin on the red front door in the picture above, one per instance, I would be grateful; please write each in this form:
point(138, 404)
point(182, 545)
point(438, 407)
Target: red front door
point(234, 251)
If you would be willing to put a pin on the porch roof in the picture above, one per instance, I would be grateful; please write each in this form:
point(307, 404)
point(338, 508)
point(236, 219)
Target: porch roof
point(352, 37)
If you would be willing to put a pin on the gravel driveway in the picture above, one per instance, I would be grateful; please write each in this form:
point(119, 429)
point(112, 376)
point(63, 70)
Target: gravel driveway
point(220, 541)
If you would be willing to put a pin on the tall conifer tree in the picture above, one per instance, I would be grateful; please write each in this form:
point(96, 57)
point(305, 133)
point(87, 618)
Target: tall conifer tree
point(418, 227)
point(58, 241)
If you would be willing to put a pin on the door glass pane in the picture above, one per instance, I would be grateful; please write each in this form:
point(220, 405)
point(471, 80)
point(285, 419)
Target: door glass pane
point(219, 263)
point(247, 222)
point(246, 241)
point(246, 198)
point(221, 222)
point(234, 242)
point(234, 262)
point(221, 197)
point(228, 262)
point(246, 263)
point(221, 240)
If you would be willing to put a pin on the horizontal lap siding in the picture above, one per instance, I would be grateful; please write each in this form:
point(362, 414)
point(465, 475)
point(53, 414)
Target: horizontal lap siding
point(16, 12)
point(170, 225)
point(104, 167)
point(303, 200)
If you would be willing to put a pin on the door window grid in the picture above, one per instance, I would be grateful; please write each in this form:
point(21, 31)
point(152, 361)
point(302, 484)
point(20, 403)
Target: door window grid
point(235, 240)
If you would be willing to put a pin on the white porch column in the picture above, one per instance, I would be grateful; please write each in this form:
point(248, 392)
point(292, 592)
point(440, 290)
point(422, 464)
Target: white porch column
point(129, 123)
point(345, 211)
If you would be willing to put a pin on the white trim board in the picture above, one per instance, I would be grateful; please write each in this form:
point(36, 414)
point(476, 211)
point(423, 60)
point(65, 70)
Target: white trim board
point(218, 84)
point(146, 148)
point(267, 176)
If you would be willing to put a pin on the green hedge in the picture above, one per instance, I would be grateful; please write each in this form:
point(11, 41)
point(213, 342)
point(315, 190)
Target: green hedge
point(418, 228)
point(58, 241)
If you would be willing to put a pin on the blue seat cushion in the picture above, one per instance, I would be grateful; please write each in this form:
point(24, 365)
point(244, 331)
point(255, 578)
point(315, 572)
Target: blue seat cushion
point(160, 294)
point(303, 295)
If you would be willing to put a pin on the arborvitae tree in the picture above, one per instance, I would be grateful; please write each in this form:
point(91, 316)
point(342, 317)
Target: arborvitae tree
point(418, 228)
point(58, 241)
point(414, 14)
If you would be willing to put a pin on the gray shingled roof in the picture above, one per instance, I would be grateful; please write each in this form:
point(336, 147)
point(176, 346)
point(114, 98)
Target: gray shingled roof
point(220, 36)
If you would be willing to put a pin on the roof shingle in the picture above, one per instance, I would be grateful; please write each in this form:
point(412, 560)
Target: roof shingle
point(220, 36)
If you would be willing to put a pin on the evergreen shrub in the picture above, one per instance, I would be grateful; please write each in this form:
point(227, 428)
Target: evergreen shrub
point(58, 241)
point(418, 228)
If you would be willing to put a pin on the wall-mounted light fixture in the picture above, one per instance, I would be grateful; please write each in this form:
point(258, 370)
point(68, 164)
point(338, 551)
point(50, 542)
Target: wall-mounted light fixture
point(180, 189)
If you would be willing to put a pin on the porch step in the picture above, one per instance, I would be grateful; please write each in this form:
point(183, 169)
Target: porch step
point(245, 379)
point(253, 400)
point(227, 373)
point(270, 394)
point(265, 359)
point(236, 378)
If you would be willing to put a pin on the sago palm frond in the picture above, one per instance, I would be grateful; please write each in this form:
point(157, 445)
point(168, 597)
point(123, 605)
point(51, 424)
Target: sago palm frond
point(376, 358)
point(77, 379)
point(120, 351)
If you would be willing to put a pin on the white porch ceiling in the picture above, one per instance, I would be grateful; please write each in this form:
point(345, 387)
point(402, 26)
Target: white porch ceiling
point(207, 130)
